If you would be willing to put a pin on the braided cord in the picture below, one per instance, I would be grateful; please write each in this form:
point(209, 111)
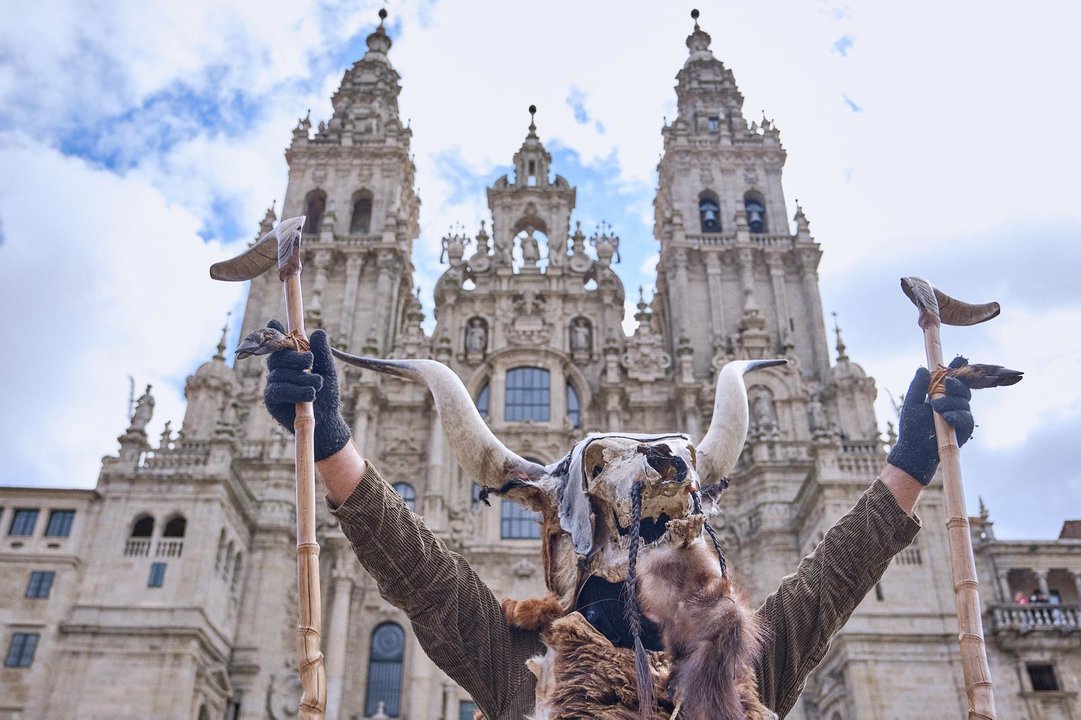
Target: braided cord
point(696, 499)
point(634, 617)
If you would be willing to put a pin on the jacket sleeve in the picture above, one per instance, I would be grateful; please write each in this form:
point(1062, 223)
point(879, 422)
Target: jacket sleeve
point(812, 604)
point(455, 616)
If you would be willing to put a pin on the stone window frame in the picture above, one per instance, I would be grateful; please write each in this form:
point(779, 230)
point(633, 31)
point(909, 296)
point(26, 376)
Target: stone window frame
point(24, 522)
point(381, 688)
point(354, 226)
point(21, 649)
point(60, 522)
point(711, 196)
point(314, 219)
point(40, 584)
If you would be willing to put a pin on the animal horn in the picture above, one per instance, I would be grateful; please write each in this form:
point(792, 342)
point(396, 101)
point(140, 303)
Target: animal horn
point(478, 451)
point(723, 442)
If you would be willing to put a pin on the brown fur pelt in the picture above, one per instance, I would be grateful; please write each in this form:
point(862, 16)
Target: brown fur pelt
point(584, 676)
point(711, 635)
point(533, 613)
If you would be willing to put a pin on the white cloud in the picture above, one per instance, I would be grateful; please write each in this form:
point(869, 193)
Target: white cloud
point(961, 136)
point(116, 283)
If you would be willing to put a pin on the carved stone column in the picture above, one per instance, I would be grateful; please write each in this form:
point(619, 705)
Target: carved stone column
point(808, 269)
point(681, 309)
point(388, 271)
point(435, 495)
point(1077, 583)
point(450, 701)
point(338, 633)
point(775, 261)
point(717, 322)
point(1041, 580)
point(1003, 577)
point(319, 284)
point(420, 681)
point(353, 266)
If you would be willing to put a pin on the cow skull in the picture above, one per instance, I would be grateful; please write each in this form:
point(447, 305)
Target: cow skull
point(586, 500)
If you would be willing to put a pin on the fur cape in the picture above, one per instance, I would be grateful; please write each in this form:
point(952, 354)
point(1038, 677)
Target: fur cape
point(706, 672)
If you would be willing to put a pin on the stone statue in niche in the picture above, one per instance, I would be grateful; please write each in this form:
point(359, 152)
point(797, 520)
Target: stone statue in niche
point(530, 249)
point(503, 248)
point(765, 418)
point(476, 337)
point(817, 416)
point(144, 410)
point(581, 336)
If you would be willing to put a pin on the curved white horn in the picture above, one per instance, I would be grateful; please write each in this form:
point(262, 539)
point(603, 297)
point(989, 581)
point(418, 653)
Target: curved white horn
point(478, 451)
point(723, 442)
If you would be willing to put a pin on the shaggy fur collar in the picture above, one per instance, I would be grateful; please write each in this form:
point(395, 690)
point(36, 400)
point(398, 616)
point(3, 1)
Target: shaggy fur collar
point(710, 635)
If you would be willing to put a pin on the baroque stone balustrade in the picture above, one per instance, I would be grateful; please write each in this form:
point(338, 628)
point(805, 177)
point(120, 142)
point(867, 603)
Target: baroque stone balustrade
point(1033, 617)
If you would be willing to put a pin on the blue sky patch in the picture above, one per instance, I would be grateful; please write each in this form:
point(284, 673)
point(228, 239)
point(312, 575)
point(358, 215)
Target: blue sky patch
point(843, 45)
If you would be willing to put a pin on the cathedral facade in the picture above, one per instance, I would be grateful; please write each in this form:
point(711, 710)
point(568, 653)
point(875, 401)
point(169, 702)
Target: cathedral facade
point(168, 591)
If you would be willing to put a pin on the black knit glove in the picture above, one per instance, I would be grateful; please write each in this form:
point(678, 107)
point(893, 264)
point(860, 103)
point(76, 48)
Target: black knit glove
point(916, 450)
point(289, 383)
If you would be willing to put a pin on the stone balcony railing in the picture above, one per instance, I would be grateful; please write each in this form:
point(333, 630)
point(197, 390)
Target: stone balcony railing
point(164, 547)
point(730, 239)
point(1036, 617)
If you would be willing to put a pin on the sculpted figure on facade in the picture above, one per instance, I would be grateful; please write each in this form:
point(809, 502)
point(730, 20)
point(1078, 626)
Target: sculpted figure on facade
point(144, 410)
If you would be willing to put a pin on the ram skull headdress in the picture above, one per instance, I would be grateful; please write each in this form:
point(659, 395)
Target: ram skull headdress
point(606, 486)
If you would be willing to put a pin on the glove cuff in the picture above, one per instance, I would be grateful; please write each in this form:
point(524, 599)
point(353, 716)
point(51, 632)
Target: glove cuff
point(330, 437)
point(920, 465)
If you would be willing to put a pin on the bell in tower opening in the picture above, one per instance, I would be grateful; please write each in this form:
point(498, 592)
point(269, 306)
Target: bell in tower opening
point(756, 212)
point(709, 212)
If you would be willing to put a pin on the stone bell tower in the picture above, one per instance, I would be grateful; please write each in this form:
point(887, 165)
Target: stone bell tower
point(353, 179)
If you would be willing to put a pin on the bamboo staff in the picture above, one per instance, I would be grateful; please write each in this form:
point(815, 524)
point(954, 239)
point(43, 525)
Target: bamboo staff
point(281, 246)
point(936, 308)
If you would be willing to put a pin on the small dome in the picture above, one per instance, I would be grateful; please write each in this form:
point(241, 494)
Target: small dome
point(845, 369)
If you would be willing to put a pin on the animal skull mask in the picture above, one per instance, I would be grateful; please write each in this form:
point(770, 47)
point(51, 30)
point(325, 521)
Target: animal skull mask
point(587, 500)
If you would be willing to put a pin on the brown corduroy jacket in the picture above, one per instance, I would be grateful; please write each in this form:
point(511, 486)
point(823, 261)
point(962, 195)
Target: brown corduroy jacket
point(458, 622)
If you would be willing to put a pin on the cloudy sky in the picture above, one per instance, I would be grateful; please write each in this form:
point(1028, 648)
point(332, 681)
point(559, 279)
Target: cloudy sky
point(142, 141)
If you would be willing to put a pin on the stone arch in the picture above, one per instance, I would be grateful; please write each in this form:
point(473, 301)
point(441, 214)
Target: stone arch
point(754, 204)
point(709, 212)
point(142, 526)
point(175, 526)
point(315, 209)
point(360, 221)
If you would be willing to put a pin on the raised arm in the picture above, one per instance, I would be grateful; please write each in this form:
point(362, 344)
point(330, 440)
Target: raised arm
point(812, 604)
point(456, 618)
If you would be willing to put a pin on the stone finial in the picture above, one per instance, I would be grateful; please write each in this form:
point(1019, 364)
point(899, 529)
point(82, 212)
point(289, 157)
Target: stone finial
point(220, 354)
point(841, 356)
point(532, 121)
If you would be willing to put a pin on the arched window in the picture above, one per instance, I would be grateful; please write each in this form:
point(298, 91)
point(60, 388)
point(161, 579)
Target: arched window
point(221, 550)
point(385, 670)
point(361, 222)
point(229, 557)
point(517, 522)
point(143, 527)
point(709, 212)
point(315, 206)
point(755, 206)
point(204, 714)
point(482, 401)
point(408, 494)
point(238, 567)
point(574, 410)
point(527, 394)
point(175, 527)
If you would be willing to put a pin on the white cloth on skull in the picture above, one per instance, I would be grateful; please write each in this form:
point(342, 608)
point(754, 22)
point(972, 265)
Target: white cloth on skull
point(575, 511)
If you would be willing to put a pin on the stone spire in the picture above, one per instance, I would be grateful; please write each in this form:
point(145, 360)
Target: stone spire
point(532, 161)
point(366, 104)
point(707, 97)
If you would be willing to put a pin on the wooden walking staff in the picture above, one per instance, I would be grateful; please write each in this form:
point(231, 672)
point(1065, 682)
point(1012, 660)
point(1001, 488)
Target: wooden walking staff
point(281, 247)
point(936, 307)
